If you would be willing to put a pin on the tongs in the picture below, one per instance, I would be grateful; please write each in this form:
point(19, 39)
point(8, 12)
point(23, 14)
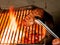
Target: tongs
point(38, 21)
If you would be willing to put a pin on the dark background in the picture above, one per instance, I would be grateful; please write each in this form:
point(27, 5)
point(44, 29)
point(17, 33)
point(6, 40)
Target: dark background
point(53, 8)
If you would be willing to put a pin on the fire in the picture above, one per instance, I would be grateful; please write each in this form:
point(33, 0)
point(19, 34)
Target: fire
point(12, 27)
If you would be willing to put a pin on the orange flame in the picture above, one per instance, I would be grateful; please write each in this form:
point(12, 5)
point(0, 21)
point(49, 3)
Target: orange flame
point(12, 27)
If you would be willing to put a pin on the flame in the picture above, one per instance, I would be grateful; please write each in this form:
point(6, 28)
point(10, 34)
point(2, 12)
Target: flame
point(12, 27)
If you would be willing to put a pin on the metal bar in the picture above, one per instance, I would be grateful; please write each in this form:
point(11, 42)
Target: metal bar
point(36, 38)
point(33, 35)
point(34, 32)
point(19, 25)
point(3, 19)
point(40, 32)
point(30, 37)
point(22, 39)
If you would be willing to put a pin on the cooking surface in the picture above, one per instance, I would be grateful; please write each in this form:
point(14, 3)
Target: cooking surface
point(12, 29)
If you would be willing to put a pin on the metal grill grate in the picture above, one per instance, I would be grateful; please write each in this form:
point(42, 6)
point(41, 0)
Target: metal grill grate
point(12, 29)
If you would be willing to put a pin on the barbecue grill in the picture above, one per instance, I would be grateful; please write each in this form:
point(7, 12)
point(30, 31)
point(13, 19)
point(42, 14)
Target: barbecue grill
point(13, 31)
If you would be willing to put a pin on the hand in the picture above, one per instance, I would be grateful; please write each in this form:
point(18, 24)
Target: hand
point(56, 42)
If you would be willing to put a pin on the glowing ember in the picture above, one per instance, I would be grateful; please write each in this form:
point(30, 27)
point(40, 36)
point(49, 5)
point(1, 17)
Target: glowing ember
point(13, 31)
